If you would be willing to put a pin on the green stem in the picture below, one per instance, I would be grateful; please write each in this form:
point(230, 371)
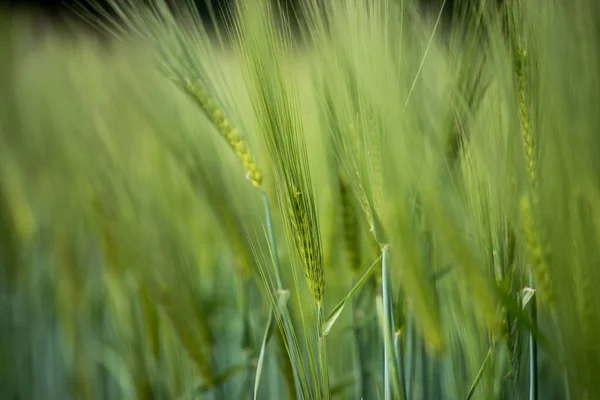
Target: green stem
point(284, 315)
point(389, 376)
point(410, 356)
point(533, 350)
point(322, 354)
point(561, 355)
point(424, 366)
point(399, 358)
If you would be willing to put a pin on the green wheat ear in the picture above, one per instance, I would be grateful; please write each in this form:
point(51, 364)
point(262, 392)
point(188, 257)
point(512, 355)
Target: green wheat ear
point(529, 204)
point(231, 134)
point(275, 101)
point(307, 243)
point(536, 253)
point(524, 119)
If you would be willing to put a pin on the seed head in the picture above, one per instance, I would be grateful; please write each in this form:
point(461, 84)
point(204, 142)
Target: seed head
point(307, 243)
point(537, 254)
point(231, 134)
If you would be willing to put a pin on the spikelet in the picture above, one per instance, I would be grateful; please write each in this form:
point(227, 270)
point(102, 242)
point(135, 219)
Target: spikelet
point(524, 119)
point(520, 63)
point(309, 249)
point(536, 253)
point(231, 134)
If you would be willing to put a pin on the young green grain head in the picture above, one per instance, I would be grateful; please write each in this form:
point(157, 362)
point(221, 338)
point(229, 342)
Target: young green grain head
point(226, 129)
point(274, 99)
point(529, 203)
point(265, 47)
point(176, 41)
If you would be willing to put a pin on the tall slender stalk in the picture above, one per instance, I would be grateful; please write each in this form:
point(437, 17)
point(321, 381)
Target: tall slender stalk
point(561, 350)
point(533, 349)
point(322, 354)
point(424, 366)
point(390, 379)
point(409, 374)
point(399, 364)
point(389, 320)
point(287, 324)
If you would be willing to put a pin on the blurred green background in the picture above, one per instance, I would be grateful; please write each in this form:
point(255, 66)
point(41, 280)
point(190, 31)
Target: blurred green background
point(450, 168)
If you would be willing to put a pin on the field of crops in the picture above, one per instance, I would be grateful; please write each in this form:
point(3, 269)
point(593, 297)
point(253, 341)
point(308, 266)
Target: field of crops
point(377, 205)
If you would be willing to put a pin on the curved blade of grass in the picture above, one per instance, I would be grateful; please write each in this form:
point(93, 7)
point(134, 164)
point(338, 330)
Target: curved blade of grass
point(337, 311)
point(263, 349)
point(479, 374)
point(281, 301)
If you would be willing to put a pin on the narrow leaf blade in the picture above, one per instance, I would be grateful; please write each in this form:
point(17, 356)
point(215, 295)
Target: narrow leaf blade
point(281, 300)
point(337, 311)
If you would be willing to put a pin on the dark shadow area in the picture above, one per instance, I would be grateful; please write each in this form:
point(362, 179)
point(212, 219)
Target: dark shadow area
point(59, 12)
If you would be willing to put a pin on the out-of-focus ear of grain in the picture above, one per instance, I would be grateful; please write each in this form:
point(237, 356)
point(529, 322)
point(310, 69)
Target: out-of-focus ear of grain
point(7, 254)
